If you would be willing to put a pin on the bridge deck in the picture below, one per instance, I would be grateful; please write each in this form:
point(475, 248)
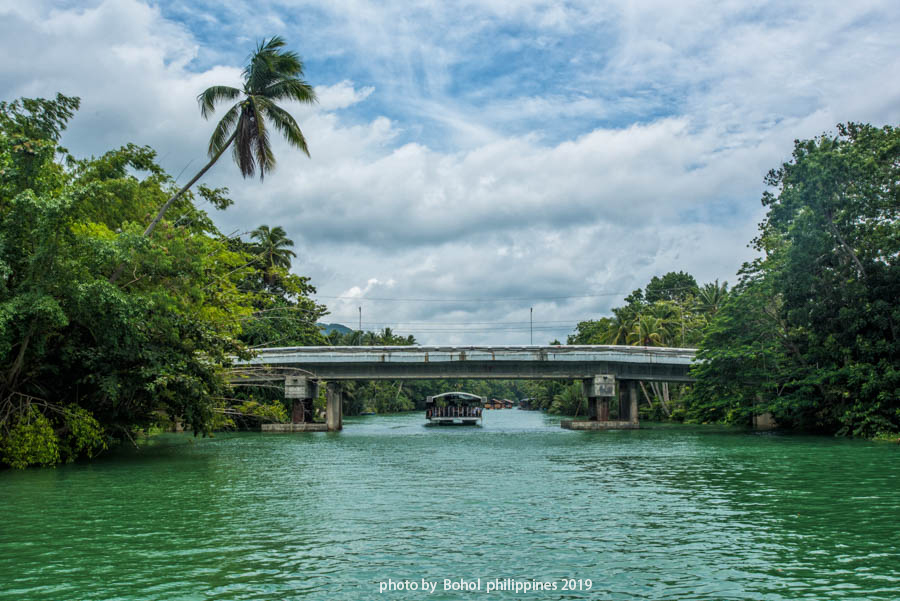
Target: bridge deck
point(507, 362)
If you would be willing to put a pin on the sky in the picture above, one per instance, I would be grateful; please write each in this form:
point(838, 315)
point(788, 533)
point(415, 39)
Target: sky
point(480, 166)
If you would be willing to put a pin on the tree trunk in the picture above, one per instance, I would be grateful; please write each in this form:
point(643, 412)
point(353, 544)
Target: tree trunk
point(662, 393)
point(646, 395)
point(176, 196)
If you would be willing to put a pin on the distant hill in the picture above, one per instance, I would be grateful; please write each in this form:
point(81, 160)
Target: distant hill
point(328, 328)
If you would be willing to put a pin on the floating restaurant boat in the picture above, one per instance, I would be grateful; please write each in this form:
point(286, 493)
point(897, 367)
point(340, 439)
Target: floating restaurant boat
point(454, 408)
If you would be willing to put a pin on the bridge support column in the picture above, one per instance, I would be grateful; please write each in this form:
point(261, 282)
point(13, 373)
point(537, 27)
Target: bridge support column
point(624, 406)
point(602, 403)
point(301, 391)
point(628, 402)
point(333, 407)
point(599, 390)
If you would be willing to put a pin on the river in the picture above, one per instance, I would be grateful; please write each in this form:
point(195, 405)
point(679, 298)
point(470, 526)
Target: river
point(665, 512)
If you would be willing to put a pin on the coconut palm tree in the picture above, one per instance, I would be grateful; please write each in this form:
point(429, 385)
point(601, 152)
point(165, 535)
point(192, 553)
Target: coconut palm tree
point(711, 297)
point(387, 338)
point(272, 248)
point(648, 331)
point(272, 74)
point(619, 327)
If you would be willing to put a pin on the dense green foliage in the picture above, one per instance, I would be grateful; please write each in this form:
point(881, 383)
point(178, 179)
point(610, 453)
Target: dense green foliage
point(87, 361)
point(671, 310)
point(810, 334)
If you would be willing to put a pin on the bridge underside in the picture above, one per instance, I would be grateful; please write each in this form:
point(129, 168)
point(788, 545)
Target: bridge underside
point(603, 369)
point(493, 370)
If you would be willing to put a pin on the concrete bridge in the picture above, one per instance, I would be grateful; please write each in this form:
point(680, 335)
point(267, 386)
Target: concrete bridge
point(607, 372)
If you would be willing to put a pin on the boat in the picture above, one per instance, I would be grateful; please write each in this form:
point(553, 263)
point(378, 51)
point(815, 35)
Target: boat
point(454, 409)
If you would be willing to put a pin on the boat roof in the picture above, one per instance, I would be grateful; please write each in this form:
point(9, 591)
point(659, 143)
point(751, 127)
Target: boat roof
point(462, 396)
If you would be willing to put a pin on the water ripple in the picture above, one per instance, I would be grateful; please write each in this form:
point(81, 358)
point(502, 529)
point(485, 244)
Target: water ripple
point(661, 513)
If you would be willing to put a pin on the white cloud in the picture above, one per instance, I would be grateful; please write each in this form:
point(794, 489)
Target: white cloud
point(341, 95)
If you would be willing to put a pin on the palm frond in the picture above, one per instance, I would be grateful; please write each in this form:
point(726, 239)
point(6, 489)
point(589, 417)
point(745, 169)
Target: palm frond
point(223, 130)
point(243, 142)
point(265, 158)
point(260, 74)
point(287, 64)
point(274, 43)
point(213, 94)
point(262, 232)
point(284, 123)
point(291, 89)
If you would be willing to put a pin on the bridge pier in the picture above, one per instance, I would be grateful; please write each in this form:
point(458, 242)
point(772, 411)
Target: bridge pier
point(302, 391)
point(333, 407)
point(628, 401)
point(599, 390)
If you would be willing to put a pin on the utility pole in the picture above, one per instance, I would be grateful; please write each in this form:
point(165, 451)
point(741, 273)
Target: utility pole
point(360, 319)
point(531, 322)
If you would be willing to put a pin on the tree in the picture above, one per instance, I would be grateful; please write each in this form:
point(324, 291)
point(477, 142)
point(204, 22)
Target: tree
point(570, 400)
point(273, 249)
point(589, 332)
point(272, 74)
point(743, 367)
point(674, 286)
point(284, 314)
point(711, 296)
point(648, 330)
point(811, 333)
point(83, 362)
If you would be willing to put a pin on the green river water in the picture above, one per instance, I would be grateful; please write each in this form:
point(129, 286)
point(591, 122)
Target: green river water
point(662, 513)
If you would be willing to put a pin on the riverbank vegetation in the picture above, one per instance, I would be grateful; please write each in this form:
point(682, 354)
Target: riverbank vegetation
point(87, 362)
point(810, 332)
point(108, 323)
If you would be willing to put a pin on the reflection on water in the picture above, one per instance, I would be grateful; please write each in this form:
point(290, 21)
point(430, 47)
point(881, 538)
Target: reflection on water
point(660, 513)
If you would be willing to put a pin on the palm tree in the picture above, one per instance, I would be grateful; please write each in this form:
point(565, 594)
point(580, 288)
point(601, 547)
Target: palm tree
point(272, 247)
point(619, 327)
point(711, 297)
point(386, 337)
point(271, 74)
point(648, 331)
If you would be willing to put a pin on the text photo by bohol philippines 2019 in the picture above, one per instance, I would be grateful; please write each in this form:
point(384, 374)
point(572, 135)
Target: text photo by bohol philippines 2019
point(378, 300)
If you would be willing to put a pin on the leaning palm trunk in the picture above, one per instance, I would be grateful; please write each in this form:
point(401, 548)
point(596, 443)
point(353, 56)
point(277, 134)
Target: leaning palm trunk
point(662, 393)
point(646, 395)
point(177, 195)
point(168, 203)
